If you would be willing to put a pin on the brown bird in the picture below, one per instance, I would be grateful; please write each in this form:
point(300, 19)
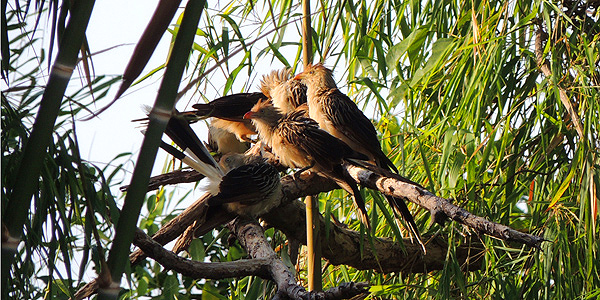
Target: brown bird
point(223, 142)
point(228, 111)
point(300, 143)
point(338, 114)
point(246, 186)
point(286, 93)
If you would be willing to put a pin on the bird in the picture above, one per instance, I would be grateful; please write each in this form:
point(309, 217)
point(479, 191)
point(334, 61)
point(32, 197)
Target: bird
point(298, 142)
point(228, 111)
point(244, 186)
point(223, 142)
point(337, 114)
point(286, 93)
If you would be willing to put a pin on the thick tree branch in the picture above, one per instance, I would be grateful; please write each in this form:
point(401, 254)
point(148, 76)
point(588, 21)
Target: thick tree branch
point(196, 269)
point(343, 246)
point(438, 207)
point(251, 236)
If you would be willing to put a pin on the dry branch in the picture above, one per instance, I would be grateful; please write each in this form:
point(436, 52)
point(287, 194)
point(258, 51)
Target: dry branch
point(439, 208)
point(251, 236)
point(343, 246)
point(196, 269)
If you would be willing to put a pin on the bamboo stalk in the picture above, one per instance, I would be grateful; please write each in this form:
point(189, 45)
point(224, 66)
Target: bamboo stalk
point(161, 112)
point(313, 249)
point(312, 204)
point(34, 154)
point(306, 33)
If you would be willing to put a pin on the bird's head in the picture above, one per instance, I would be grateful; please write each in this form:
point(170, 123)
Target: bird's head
point(233, 160)
point(276, 78)
point(265, 111)
point(316, 75)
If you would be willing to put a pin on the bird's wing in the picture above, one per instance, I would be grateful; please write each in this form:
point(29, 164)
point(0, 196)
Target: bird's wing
point(304, 133)
point(297, 93)
point(349, 120)
point(247, 184)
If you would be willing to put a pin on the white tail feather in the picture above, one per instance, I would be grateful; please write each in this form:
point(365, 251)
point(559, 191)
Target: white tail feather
point(214, 175)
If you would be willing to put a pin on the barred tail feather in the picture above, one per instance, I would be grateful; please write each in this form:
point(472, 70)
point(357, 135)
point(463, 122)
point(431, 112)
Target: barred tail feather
point(400, 208)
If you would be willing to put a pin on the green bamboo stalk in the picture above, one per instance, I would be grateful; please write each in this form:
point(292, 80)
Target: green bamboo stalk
point(15, 214)
point(161, 112)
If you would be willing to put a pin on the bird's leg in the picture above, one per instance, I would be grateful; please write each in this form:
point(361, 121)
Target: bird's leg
point(296, 174)
point(245, 138)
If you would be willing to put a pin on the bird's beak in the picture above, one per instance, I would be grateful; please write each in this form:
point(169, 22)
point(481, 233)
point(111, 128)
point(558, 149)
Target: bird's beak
point(300, 76)
point(248, 115)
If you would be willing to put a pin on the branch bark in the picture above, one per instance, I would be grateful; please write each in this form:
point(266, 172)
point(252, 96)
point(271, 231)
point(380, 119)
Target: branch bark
point(439, 208)
point(251, 236)
point(196, 269)
point(343, 246)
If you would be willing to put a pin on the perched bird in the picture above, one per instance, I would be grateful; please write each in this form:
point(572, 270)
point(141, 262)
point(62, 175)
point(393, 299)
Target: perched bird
point(300, 143)
point(228, 112)
point(246, 186)
point(337, 114)
point(285, 93)
point(223, 142)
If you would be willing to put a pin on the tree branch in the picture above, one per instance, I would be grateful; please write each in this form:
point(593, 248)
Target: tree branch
point(196, 269)
point(343, 246)
point(438, 207)
point(251, 236)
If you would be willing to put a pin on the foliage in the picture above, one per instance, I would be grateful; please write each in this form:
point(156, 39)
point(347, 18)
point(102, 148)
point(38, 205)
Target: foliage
point(73, 209)
point(455, 89)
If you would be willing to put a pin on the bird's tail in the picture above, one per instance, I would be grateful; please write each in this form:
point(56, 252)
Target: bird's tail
point(198, 157)
point(400, 208)
point(347, 183)
point(201, 110)
point(386, 163)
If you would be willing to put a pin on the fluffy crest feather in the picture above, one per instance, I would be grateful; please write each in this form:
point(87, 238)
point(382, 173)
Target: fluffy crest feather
point(274, 79)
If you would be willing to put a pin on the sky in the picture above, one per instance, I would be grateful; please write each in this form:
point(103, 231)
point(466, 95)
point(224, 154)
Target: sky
point(112, 132)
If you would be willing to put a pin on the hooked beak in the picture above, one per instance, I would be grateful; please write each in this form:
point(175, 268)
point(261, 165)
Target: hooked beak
point(248, 115)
